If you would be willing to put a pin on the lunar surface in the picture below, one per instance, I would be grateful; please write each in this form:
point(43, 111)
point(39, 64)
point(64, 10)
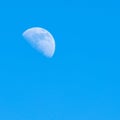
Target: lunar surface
point(41, 40)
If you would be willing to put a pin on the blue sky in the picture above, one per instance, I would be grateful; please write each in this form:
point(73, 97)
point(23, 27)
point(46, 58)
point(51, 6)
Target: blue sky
point(81, 81)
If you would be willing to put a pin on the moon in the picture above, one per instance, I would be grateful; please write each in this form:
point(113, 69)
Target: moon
point(41, 40)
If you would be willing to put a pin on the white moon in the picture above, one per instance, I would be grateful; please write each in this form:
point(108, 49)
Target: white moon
point(41, 40)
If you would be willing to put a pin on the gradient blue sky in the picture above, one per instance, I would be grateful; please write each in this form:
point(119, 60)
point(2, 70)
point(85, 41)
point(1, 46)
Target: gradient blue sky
point(81, 81)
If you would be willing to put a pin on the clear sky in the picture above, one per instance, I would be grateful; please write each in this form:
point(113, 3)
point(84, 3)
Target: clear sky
point(81, 81)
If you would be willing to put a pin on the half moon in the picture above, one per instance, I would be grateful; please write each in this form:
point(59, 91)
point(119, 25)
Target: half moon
point(41, 40)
